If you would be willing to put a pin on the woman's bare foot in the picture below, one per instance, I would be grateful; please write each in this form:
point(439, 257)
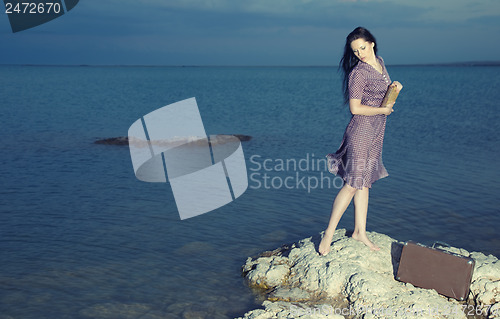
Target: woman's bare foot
point(364, 239)
point(324, 246)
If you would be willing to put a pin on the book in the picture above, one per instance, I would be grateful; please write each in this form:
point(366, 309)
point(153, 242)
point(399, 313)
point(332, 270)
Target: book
point(391, 95)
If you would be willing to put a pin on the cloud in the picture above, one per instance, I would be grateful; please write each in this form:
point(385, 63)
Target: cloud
point(204, 16)
point(486, 20)
point(256, 31)
point(194, 18)
point(443, 10)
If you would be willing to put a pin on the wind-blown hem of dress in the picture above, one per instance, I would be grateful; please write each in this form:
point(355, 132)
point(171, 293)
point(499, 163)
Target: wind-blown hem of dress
point(334, 165)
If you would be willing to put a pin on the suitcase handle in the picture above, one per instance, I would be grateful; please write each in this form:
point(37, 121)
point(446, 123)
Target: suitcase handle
point(440, 243)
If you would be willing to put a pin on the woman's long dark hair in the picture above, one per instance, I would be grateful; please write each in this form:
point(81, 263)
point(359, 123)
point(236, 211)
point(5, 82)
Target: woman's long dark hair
point(349, 60)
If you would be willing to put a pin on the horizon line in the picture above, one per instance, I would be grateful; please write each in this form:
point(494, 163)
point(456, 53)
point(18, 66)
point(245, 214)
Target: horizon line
point(464, 63)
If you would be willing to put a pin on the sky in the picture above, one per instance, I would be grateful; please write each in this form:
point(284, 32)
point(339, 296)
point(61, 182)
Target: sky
point(256, 32)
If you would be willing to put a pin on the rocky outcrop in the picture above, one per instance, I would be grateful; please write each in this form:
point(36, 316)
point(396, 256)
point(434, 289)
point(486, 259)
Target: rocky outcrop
point(121, 140)
point(219, 138)
point(354, 282)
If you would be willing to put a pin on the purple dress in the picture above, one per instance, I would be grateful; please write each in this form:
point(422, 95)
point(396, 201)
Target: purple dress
point(359, 159)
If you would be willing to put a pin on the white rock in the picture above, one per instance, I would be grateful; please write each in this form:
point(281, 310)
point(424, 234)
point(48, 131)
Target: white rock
point(354, 279)
point(491, 293)
point(287, 310)
point(495, 311)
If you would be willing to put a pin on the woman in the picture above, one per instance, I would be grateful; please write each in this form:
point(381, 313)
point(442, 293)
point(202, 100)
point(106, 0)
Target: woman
point(359, 159)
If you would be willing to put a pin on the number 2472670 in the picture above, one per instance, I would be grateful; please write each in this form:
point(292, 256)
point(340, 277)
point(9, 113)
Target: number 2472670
point(32, 8)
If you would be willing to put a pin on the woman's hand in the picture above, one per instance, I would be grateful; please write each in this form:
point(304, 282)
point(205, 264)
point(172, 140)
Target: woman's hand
point(387, 110)
point(398, 85)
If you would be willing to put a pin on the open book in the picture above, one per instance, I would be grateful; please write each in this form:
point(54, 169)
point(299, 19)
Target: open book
point(392, 94)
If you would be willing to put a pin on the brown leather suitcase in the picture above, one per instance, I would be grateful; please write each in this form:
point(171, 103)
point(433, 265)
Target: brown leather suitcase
point(425, 267)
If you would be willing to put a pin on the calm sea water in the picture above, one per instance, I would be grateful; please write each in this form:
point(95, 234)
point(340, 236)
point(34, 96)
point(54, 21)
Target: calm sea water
point(80, 237)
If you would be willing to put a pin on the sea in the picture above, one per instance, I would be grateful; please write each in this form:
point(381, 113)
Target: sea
point(82, 237)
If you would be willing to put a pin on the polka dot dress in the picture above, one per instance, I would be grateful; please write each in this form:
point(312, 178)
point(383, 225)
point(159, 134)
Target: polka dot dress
point(359, 159)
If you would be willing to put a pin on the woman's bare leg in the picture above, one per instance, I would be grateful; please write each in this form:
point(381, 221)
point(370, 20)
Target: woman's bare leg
point(360, 214)
point(340, 204)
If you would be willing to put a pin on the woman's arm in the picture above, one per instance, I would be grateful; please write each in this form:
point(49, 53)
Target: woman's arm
point(357, 108)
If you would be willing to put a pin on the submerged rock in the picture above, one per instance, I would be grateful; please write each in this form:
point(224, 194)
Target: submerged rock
point(121, 140)
point(354, 282)
point(219, 138)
